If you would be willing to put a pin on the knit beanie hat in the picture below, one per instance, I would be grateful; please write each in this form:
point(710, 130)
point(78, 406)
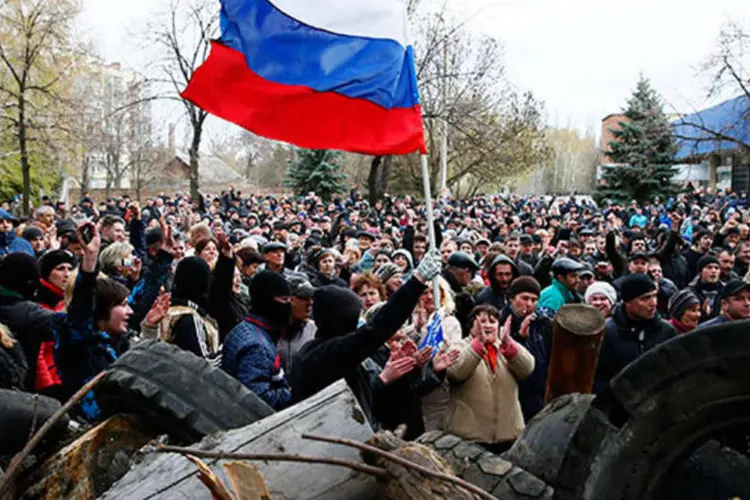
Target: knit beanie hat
point(19, 273)
point(635, 285)
point(154, 236)
point(387, 271)
point(601, 288)
point(681, 302)
point(32, 233)
point(50, 260)
point(524, 284)
point(706, 260)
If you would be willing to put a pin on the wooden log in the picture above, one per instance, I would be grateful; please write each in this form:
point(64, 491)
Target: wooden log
point(577, 334)
point(88, 466)
point(333, 411)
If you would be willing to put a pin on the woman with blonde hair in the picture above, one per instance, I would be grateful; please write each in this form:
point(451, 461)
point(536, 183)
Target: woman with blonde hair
point(435, 404)
point(119, 262)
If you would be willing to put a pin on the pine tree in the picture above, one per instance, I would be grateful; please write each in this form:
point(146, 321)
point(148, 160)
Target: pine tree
point(318, 170)
point(643, 147)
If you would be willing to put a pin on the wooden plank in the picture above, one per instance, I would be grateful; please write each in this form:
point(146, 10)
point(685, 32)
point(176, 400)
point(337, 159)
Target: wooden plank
point(334, 412)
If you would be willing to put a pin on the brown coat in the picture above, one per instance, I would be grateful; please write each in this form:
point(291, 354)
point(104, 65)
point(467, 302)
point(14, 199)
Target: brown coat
point(484, 406)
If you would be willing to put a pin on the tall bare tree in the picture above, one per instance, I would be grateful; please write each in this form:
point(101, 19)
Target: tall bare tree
point(728, 69)
point(494, 132)
point(36, 55)
point(183, 35)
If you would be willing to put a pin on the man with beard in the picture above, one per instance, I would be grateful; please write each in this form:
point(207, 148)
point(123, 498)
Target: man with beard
point(726, 262)
point(501, 274)
point(250, 353)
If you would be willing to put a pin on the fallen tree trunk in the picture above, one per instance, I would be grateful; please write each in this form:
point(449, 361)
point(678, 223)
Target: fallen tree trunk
point(334, 411)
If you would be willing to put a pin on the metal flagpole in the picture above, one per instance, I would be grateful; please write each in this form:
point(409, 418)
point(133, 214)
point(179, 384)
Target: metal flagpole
point(444, 125)
point(430, 223)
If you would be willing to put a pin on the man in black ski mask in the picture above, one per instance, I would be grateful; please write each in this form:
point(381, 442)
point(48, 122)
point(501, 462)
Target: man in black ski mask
point(250, 348)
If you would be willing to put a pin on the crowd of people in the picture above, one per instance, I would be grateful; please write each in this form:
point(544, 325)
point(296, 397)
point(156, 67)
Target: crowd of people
point(290, 294)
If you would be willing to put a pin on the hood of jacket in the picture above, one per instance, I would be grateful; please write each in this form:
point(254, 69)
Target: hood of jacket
point(501, 259)
point(407, 256)
point(336, 311)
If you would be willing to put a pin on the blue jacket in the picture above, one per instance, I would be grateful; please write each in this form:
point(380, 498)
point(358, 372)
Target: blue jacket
point(638, 220)
point(10, 243)
point(553, 298)
point(250, 356)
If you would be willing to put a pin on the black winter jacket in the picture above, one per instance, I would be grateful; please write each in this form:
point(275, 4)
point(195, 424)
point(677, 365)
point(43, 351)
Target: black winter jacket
point(625, 340)
point(400, 402)
point(226, 307)
point(539, 343)
point(340, 347)
point(31, 324)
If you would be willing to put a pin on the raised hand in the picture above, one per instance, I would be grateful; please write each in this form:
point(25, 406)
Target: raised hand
point(88, 235)
point(524, 332)
point(477, 343)
point(430, 266)
point(167, 234)
point(505, 330)
point(396, 368)
point(160, 309)
point(423, 356)
point(445, 360)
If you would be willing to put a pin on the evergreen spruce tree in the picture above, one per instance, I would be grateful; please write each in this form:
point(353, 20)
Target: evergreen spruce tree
point(643, 147)
point(318, 170)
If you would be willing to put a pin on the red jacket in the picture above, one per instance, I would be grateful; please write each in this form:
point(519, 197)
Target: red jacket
point(46, 371)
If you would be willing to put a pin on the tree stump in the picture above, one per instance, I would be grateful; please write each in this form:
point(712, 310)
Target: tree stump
point(577, 333)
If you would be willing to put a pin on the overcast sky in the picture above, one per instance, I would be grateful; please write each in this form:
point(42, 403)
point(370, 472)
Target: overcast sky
point(582, 57)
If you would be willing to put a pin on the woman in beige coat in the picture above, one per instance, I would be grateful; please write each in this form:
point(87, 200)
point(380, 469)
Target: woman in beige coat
point(484, 403)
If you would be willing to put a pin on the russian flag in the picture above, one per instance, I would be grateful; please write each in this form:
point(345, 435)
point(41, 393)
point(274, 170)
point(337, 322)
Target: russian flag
point(322, 74)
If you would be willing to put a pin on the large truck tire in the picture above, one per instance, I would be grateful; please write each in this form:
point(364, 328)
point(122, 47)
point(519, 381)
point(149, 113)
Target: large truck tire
point(22, 412)
point(178, 392)
point(633, 440)
point(490, 472)
point(542, 446)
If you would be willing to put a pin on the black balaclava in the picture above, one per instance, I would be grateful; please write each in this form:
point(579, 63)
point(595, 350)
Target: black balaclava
point(20, 273)
point(336, 311)
point(191, 281)
point(264, 287)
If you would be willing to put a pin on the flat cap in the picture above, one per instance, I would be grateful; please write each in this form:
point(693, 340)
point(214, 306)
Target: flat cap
point(273, 246)
point(463, 261)
point(565, 265)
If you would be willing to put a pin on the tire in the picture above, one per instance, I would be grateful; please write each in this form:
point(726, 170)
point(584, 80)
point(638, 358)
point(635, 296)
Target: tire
point(541, 448)
point(17, 416)
point(177, 392)
point(633, 440)
point(491, 472)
